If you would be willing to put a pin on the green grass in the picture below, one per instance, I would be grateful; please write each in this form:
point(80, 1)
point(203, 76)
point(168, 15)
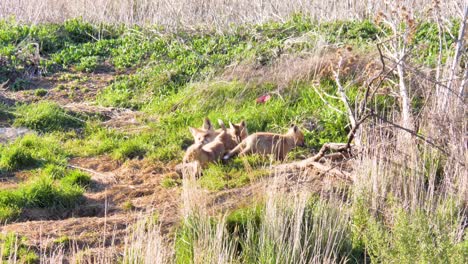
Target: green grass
point(413, 237)
point(30, 151)
point(170, 182)
point(45, 117)
point(40, 92)
point(239, 172)
point(52, 187)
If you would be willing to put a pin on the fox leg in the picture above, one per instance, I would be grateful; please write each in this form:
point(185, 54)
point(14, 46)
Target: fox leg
point(245, 151)
point(235, 151)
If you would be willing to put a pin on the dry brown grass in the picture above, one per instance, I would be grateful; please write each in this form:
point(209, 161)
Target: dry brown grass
point(206, 13)
point(287, 69)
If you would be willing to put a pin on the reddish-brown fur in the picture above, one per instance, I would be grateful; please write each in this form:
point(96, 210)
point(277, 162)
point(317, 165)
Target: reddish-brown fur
point(269, 143)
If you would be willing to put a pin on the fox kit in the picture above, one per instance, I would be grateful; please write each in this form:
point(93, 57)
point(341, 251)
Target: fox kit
point(211, 152)
point(206, 133)
point(269, 143)
point(239, 131)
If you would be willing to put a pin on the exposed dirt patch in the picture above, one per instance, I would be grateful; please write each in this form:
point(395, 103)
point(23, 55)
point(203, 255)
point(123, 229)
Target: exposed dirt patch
point(61, 88)
point(105, 214)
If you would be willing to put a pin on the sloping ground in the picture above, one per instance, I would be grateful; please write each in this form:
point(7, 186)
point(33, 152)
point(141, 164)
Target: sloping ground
point(123, 193)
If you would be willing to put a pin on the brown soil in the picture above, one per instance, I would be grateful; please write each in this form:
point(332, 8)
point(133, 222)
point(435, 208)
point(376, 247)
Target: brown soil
point(61, 88)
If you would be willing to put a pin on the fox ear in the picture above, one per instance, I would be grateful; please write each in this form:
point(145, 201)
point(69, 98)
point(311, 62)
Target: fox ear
point(221, 124)
point(242, 123)
point(207, 124)
point(231, 126)
point(192, 130)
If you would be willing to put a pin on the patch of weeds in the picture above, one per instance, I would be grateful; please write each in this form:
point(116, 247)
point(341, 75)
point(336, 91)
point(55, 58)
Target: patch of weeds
point(238, 220)
point(87, 64)
point(95, 140)
point(14, 248)
point(68, 77)
point(62, 240)
point(240, 172)
point(20, 84)
point(8, 212)
point(61, 87)
point(40, 92)
point(128, 206)
point(29, 151)
point(130, 149)
point(54, 171)
point(42, 192)
point(45, 117)
point(170, 182)
point(76, 177)
point(16, 156)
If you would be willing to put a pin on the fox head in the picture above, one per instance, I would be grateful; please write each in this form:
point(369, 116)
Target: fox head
point(239, 130)
point(297, 134)
point(201, 135)
point(205, 134)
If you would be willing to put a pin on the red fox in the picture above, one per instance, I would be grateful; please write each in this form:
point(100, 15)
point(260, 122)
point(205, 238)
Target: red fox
point(211, 152)
point(206, 133)
point(269, 143)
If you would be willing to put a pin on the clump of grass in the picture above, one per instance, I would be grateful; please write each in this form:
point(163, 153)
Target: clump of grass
point(77, 177)
point(130, 149)
point(284, 230)
point(96, 140)
point(30, 151)
point(43, 192)
point(52, 187)
point(15, 157)
point(170, 182)
point(62, 240)
point(46, 117)
point(40, 92)
point(128, 206)
point(239, 172)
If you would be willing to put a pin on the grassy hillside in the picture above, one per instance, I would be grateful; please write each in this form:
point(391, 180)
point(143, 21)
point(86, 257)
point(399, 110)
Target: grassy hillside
point(87, 91)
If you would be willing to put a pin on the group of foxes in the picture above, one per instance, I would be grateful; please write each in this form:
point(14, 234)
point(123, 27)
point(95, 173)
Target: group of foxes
point(213, 145)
